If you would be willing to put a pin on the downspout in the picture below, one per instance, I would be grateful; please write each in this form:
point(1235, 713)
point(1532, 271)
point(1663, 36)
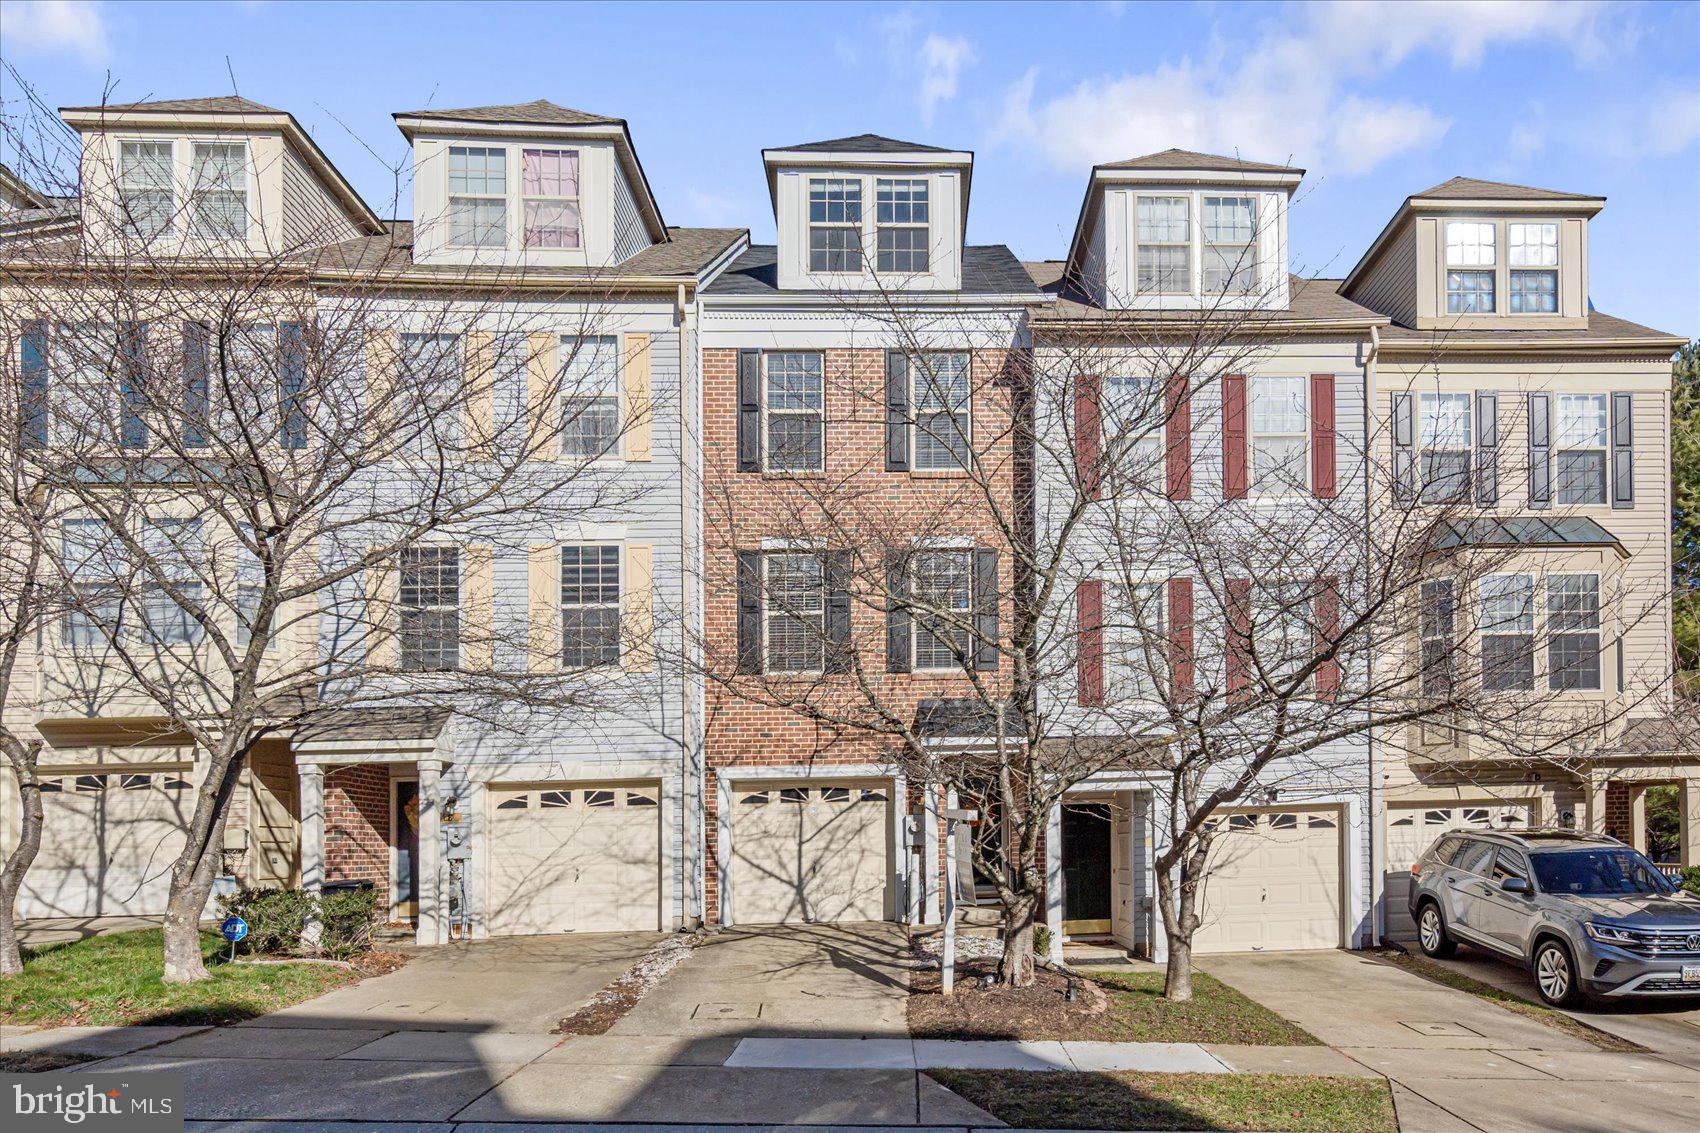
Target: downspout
point(1377, 828)
point(690, 783)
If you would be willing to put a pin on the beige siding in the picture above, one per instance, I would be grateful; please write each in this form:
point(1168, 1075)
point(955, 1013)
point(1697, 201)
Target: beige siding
point(311, 216)
point(1390, 287)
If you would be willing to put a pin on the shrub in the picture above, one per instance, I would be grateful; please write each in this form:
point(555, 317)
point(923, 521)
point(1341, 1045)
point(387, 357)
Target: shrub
point(277, 918)
point(1041, 940)
point(1691, 879)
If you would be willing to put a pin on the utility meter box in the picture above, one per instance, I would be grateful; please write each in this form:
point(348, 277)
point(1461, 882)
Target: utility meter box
point(456, 839)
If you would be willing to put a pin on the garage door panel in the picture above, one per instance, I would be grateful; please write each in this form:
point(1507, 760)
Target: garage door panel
point(803, 853)
point(108, 844)
point(1412, 829)
point(1274, 883)
point(566, 862)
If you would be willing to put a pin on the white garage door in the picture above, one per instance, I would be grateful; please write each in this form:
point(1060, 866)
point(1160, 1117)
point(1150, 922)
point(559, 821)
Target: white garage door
point(809, 853)
point(1274, 883)
point(107, 844)
point(1412, 829)
point(584, 858)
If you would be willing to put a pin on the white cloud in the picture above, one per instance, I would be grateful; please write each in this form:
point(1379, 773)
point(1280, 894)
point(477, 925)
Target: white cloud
point(1290, 87)
point(1661, 122)
point(50, 26)
point(942, 61)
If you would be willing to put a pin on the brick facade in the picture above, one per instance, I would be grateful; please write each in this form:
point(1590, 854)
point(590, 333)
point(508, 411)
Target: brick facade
point(855, 505)
point(357, 826)
point(1618, 812)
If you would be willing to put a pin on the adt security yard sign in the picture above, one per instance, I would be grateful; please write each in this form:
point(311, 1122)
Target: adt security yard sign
point(233, 929)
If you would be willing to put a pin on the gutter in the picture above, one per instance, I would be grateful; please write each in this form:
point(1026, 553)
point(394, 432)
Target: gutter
point(690, 783)
point(1377, 796)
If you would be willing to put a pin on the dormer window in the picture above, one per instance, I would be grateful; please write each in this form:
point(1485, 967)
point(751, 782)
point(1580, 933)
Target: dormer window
point(1165, 246)
point(901, 214)
point(478, 196)
point(218, 191)
point(1230, 245)
point(1470, 260)
point(145, 186)
point(550, 187)
point(1533, 253)
point(835, 224)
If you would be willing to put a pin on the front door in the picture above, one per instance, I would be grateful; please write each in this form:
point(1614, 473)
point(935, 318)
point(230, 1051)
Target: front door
point(406, 834)
point(1087, 868)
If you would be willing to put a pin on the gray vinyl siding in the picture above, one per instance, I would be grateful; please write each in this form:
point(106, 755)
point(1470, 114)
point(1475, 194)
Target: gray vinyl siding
point(630, 236)
point(310, 216)
point(1390, 287)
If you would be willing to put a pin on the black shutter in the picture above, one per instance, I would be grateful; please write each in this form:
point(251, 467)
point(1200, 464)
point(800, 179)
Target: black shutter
point(986, 609)
point(1404, 451)
point(897, 615)
point(837, 564)
point(896, 413)
point(1487, 449)
point(33, 399)
point(197, 390)
point(749, 611)
point(132, 391)
point(749, 411)
point(1540, 451)
point(1622, 450)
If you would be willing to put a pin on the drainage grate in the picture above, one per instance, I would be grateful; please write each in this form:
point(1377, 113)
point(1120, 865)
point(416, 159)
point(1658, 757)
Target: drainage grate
point(1443, 1030)
point(727, 1011)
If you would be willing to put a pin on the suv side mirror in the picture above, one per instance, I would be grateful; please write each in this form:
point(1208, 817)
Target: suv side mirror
point(1516, 885)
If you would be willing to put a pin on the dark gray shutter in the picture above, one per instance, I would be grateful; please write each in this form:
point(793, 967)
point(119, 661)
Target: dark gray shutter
point(196, 384)
point(749, 411)
point(1622, 450)
point(986, 609)
point(1404, 450)
point(837, 565)
point(33, 398)
point(896, 412)
point(1487, 449)
point(1540, 450)
point(897, 614)
point(749, 611)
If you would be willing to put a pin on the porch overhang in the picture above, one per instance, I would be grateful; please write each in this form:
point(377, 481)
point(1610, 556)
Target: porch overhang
point(375, 735)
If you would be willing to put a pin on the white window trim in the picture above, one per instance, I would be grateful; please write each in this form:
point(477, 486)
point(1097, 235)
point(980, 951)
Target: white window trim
point(1544, 670)
point(1604, 449)
point(864, 227)
point(247, 185)
point(1127, 682)
point(1193, 238)
point(1424, 418)
point(615, 456)
point(173, 227)
point(1541, 634)
point(460, 599)
point(938, 547)
point(616, 666)
point(1205, 244)
point(924, 227)
point(767, 465)
point(916, 376)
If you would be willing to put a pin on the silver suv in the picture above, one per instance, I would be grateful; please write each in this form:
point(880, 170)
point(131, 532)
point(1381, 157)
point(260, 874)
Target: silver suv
point(1587, 915)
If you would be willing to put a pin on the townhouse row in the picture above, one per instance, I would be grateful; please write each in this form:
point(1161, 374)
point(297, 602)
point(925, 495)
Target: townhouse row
point(788, 420)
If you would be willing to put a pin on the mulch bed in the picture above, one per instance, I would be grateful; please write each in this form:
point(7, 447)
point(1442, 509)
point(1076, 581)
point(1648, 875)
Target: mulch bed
point(375, 963)
point(610, 1004)
point(1000, 1012)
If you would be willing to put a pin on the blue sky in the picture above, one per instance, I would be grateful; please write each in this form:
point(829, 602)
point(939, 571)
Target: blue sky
point(1376, 100)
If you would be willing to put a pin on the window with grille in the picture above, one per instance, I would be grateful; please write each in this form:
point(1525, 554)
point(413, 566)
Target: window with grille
point(1437, 625)
point(1533, 255)
point(1573, 631)
point(1165, 245)
point(1134, 412)
point(590, 381)
point(1471, 256)
point(1136, 641)
point(429, 393)
point(88, 553)
point(1508, 632)
point(1580, 448)
point(549, 188)
point(1280, 436)
point(795, 612)
point(1445, 428)
point(942, 421)
point(146, 183)
point(218, 190)
point(172, 548)
point(901, 216)
point(1230, 245)
point(943, 597)
point(835, 224)
point(85, 366)
point(429, 609)
point(478, 196)
point(590, 606)
point(795, 405)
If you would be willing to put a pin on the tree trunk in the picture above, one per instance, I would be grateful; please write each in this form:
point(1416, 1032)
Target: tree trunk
point(1180, 921)
point(1015, 967)
point(17, 865)
point(191, 886)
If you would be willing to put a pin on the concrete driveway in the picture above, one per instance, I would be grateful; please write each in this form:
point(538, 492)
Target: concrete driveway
point(1457, 1062)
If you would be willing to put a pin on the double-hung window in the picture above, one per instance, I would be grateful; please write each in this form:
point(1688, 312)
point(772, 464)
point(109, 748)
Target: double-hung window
point(1470, 262)
point(1573, 631)
point(900, 216)
point(1437, 627)
point(429, 609)
point(1280, 436)
point(1230, 245)
point(549, 184)
point(795, 405)
point(590, 425)
point(88, 554)
point(1446, 447)
point(146, 186)
point(1580, 446)
point(795, 613)
point(172, 550)
point(85, 367)
point(1508, 632)
point(1165, 245)
point(218, 191)
point(249, 580)
point(590, 606)
point(1133, 418)
point(478, 196)
point(429, 392)
point(1533, 255)
point(1136, 642)
point(1286, 637)
point(942, 423)
point(943, 597)
point(835, 224)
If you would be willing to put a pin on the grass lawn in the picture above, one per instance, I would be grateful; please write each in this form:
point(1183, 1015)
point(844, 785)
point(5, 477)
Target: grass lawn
point(1540, 1012)
point(1277, 1103)
point(115, 981)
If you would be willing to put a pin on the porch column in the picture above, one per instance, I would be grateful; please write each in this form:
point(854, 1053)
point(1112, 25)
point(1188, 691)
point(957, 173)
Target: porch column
point(1691, 822)
point(1594, 794)
point(1054, 881)
point(310, 780)
point(930, 854)
point(1638, 817)
point(1156, 823)
point(431, 920)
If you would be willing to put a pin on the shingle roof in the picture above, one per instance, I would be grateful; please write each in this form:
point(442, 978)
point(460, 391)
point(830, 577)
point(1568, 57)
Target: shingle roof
point(1191, 159)
point(1529, 531)
point(1600, 327)
point(864, 143)
point(1308, 300)
point(540, 111)
point(220, 104)
point(391, 722)
point(1469, 189)
point(685, 254)
point(987, 269)
point(1649, 735)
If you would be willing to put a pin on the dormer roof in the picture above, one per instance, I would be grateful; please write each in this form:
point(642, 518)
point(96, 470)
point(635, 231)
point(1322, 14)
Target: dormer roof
point(1472, 189)
point(16, 186)
point(218, 104)
point(537, 112)
point(860, 143)
point(1185, 159)
point(869, 151)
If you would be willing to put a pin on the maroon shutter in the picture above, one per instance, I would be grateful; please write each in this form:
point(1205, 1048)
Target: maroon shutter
point(1322, 435)
point(1179, 406)
point(1327, 636)
point(1089, 654)
point(1088, 430)
point(1180, 638)
point(1233, 437)
point(1239, 636)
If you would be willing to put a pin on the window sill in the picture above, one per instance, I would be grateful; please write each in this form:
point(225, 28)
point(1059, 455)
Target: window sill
point(793, 474)
point(940, 473)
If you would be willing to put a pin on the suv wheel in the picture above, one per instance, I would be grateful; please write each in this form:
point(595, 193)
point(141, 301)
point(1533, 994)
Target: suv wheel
point(1555, 974)
point(1432, 937)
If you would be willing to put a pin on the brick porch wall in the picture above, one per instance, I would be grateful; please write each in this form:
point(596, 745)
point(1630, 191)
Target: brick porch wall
point(1618, 812)
point(357, 826)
